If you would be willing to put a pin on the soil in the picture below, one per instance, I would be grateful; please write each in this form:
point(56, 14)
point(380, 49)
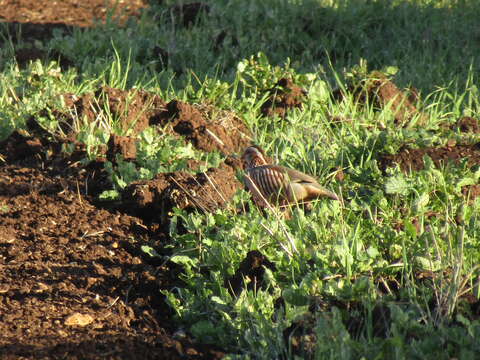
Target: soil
point(412, 159)
point(72, 272)
point(204, 191)
point(252, 269)
point(386, 93)
point(467, 124)
point(69, 12)
point(123, 145)
point(471, 192)
point(206, 127)
point(30, 21)
point(377, 89)
point(284, 96)
point(134, 110)
point(73, 281)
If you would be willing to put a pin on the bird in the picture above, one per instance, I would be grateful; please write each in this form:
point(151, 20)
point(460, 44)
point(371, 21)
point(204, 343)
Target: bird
point(278, 185)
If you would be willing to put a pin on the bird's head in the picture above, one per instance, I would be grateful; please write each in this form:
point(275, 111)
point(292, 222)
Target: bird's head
point(253, 156)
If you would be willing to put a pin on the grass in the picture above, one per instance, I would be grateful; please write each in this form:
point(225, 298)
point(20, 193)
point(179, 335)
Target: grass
point(325, 293)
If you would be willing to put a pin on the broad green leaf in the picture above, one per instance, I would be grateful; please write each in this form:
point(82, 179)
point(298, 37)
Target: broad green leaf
point(397, 185)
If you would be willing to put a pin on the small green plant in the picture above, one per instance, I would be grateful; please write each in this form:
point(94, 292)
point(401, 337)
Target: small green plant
point(4, 208)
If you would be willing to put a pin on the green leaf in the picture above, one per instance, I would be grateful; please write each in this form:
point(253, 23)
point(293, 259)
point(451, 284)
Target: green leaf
point(296, 297)
point(218, 300)
point(463, 320)
point(203, 330)
point(421, 202)
point(109, 195)
point(184, 260)
point(372, 252)
point(428, 264)
point(410, 229)
point(397, 185)
point(150, 251)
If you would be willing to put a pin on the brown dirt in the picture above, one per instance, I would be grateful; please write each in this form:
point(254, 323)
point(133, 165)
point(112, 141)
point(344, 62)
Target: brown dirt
point(284, 96)
point(33, 150)
point(412, 159)
point(51, 193)
point(399, 225)
point(74, 283)
point(29, 54)
point(388, 94)
point(250, 270)
point(471, 192)
point(206, 127)
point(377, 89)
point(301, 336)
point(189, 13)
point(134, 109)
point(70, 12)
point(204, 191)
point(467, 124)
point(123, 145)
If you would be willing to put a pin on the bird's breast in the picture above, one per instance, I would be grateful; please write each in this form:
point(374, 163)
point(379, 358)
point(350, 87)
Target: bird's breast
point(270, 182)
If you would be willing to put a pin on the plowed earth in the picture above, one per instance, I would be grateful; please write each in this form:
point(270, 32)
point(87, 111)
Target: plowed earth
point(73, 281)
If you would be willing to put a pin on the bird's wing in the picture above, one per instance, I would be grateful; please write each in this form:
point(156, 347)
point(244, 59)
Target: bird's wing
point(276, 175)
point(294, 176)
point(273, 179)
point(309, 183)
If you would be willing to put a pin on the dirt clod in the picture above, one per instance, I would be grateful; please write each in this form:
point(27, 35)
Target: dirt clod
point(301, 338)
point(388, 94)
point(204, 191)
point(18, 146)
point(123, 145)
point(250, 270)
point(379, 90)
point(134, 109)
point(284, 96)
point(467, 124)
point(189, 13)
point(471, 192)
point(412, 159)
point(207, 127)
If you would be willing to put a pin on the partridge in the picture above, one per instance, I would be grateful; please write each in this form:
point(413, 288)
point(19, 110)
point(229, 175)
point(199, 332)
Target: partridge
point(279, 185)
